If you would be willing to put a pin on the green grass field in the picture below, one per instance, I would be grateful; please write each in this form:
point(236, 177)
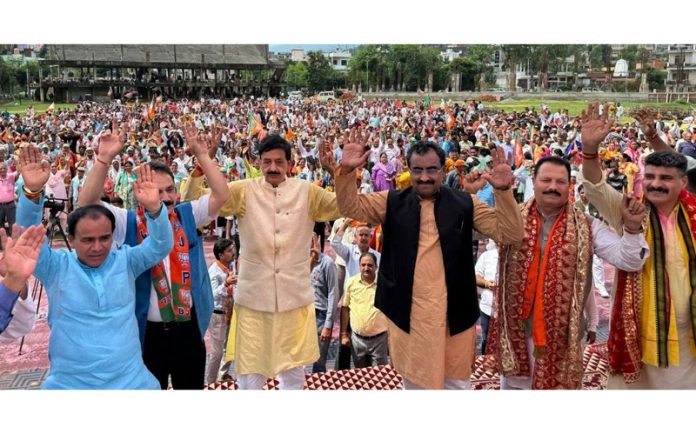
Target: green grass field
point(577, 106)
point(574, 107)
point(39, 107)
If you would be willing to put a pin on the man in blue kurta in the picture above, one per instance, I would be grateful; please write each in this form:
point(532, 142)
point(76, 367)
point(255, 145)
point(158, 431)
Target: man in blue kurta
point(94, 340)
point(174, 299)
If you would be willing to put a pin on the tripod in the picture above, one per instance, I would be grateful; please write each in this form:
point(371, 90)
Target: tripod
point(54, 227)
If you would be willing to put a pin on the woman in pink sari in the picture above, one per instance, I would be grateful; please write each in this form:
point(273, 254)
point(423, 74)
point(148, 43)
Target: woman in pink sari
point(383, 174)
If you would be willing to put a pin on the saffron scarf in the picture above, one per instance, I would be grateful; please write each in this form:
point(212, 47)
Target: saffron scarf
point(553, 289)
point(174, 302)
point(225, 269)
point(646, 293)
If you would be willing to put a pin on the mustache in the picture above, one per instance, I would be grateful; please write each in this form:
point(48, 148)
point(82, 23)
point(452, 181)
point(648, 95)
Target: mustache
point(552, 192)
point(273, 173)
point(425, 182)
point(658, 189)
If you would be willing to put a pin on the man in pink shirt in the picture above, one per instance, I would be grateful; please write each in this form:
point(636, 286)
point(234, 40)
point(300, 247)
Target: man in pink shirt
point(8, 207)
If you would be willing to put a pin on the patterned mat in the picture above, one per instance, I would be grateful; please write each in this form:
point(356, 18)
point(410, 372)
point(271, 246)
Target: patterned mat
point(386, 378)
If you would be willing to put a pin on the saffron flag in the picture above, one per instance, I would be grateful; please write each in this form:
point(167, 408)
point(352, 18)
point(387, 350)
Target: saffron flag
point(151, 112)
point(289, 135)
point(6, 135)
point(450, 121)
point(255, 125)
point(519, 152)
point(51, 107)
point(263, 134)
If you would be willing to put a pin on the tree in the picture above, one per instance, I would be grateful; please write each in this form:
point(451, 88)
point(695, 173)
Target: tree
point(402, 57)
point(319, 71)
point(431, 61)
point(468, 72)
point(579, 54)
point(481, 56)
point(8, 77)
point(297, 75)
point(366, 67)
point(514, 54)
point(656, 78)
point(630, 53)
point(545, 57)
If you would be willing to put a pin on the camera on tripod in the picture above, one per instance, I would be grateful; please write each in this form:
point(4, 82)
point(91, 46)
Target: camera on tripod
point(54, 205)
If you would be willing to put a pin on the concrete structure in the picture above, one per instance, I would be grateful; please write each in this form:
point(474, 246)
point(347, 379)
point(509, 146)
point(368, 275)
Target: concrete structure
point(681, 68)
point(450, 54)
point(339, 59)
point(99, 72)
point(298, 55)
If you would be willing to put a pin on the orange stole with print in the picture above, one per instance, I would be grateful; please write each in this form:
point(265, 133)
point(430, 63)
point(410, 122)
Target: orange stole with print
point(554, 290)
point(174, 302)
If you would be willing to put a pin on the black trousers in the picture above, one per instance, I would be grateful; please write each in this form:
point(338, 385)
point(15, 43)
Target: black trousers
point(176, 349)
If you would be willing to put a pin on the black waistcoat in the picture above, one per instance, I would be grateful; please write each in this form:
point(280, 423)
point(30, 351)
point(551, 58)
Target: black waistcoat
point(454, 212)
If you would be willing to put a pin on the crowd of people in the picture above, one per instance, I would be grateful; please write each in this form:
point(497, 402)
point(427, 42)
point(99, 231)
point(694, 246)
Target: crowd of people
point(441, 217)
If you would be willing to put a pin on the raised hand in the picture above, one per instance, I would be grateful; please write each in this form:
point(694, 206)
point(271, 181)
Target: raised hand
point(633, 213)
point(213, 141)
point(355, 151)
point(112, 142)
point(328, 162)
point(145, 190)
point(594, 127)
point(474, 181)
point(34, 169)
point(647, 122)
point(22, 252)
point(198, 146)
point(500, 176)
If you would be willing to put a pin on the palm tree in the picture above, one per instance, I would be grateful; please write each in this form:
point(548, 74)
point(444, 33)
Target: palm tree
point(431, 60)
point(513, 55)
point(545, 57)
point(481, 55)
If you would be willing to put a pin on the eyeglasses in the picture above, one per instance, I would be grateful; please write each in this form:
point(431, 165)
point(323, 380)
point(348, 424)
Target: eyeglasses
point(417, 171)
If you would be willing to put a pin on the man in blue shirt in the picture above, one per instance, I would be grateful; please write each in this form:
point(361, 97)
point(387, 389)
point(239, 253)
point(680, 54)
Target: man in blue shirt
point(94, 341)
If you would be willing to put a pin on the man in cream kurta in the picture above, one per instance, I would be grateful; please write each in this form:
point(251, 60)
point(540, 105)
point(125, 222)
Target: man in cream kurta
point(665, 181)
point(428, 356)
point(273, 329)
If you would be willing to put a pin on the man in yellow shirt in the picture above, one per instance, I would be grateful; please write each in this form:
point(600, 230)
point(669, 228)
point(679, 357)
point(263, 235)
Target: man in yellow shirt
point(368, 340)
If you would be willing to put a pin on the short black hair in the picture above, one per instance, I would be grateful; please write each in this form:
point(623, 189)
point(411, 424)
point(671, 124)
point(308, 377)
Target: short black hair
point(691, 175)
point(667, 159)
point(553, 160)
point(220, 246)
point(422, 148)
point(274, 141)
point(370, 254)
point(90, 211)
point(158, 166)
point(117, 201)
